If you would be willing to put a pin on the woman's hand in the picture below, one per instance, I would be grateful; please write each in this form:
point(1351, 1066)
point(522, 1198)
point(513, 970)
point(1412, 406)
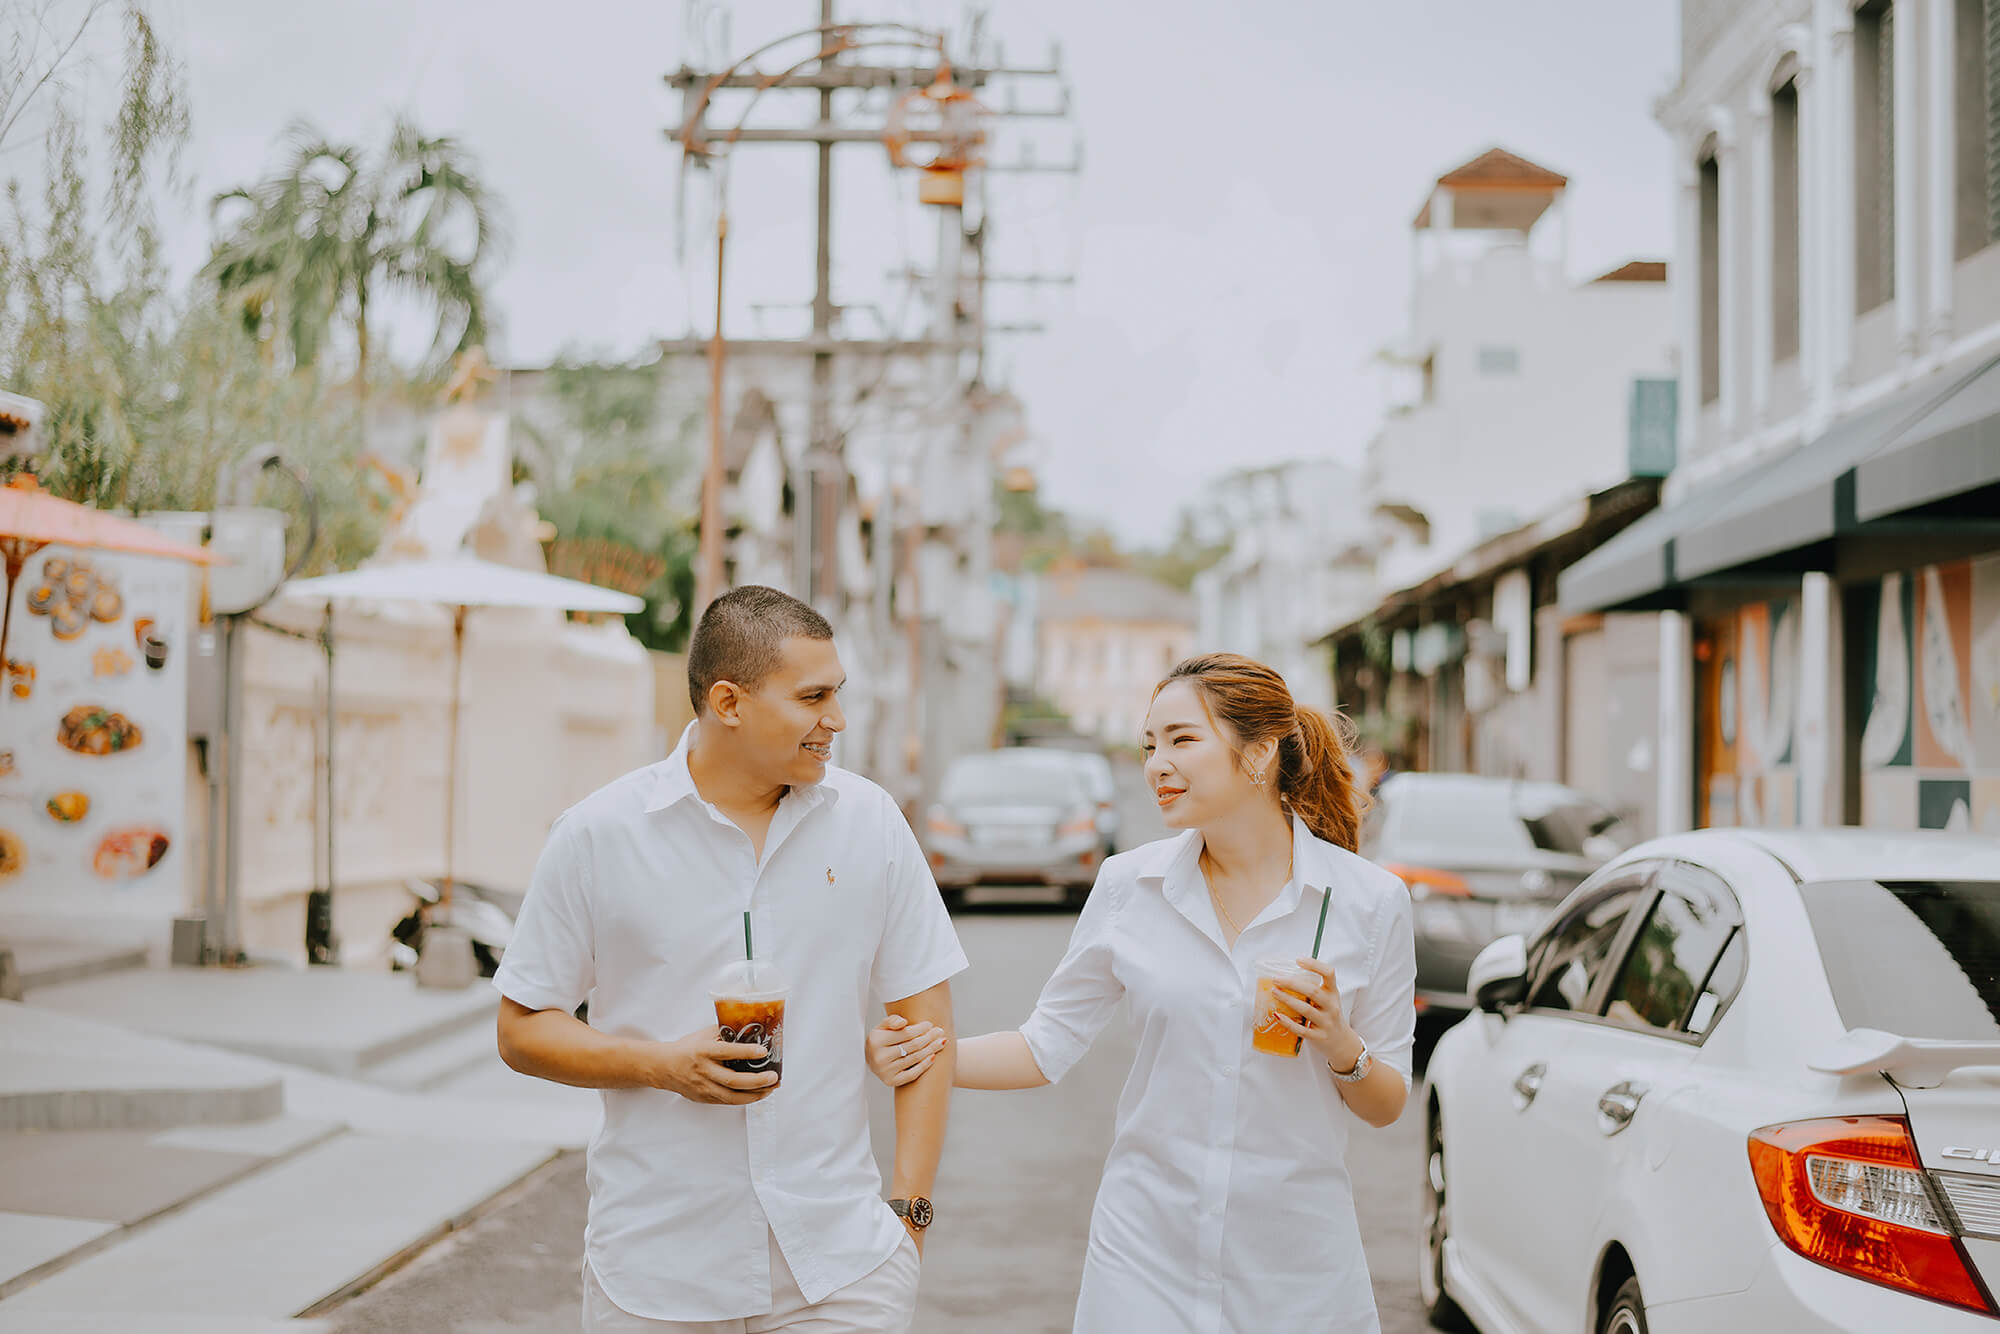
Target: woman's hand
point(899, 1051)
point(1321, 1020)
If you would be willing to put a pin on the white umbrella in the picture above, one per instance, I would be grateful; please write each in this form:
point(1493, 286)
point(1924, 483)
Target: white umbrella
point(460, 583)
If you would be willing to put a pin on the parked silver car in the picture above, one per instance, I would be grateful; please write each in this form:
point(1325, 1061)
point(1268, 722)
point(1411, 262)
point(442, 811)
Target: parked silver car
point(1484, 858)
point(1016, 816)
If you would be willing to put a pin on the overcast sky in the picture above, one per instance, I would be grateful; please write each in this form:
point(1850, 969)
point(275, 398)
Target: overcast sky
point(1240, 234)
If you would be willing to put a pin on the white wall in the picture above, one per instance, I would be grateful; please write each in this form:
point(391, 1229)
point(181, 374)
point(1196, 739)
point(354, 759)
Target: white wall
point(1492, 451)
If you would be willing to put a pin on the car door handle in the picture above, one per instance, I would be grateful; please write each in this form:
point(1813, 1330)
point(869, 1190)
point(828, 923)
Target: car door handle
point(1618, 1105)
point(1528, 1084)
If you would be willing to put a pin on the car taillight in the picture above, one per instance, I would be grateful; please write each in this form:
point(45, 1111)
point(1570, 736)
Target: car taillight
point(1424, 881)
point(1082, 824)
point(940, 822)
point(1849, 1193)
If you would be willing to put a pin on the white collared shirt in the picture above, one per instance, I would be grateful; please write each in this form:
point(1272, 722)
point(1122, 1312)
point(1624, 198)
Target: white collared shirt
point(637, 904)
point(1226, 1203)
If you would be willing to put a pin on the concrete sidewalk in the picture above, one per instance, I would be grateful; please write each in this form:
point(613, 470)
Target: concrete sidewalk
point(228, 1149)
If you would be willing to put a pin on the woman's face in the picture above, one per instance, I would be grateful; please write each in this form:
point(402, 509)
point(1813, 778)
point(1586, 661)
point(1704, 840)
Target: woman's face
point(1191, 764)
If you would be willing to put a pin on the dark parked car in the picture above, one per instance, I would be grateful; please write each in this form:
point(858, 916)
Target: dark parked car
point(1484, 858)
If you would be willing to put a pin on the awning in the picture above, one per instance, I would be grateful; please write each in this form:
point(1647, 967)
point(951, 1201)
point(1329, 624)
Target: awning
point(1953, 450)
point(1797, 502)
point(1929, 441)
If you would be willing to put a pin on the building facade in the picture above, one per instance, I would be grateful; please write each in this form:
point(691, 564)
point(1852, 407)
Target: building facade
point(1512, 384)
point(1300, 556)
point(1828, 558)
point(1106, 637)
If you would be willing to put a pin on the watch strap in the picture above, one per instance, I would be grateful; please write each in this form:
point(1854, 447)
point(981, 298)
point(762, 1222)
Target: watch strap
point(1363, 1063)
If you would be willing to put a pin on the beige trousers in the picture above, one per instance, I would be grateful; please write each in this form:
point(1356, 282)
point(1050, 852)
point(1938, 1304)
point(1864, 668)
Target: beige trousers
point(881, 1301)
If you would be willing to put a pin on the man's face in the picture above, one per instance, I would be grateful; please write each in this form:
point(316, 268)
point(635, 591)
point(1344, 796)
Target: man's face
point(787, 724)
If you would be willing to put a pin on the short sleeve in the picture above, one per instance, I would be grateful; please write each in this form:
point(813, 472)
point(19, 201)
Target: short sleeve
point(1385, 1016)
point(551, 961)
point(1082, 994)
point(919, 946)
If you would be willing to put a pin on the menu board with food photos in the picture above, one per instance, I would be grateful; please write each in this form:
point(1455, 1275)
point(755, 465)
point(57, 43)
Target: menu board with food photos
point(93, 731)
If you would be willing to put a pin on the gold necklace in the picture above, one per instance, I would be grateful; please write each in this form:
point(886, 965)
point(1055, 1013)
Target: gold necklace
point(1216, 899)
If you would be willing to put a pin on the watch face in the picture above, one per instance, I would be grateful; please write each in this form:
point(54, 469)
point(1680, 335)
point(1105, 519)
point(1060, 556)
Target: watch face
point(920, 1212)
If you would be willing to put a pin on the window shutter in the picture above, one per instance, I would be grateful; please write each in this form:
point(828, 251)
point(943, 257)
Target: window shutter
point(1885, 120)
point(1992, 119)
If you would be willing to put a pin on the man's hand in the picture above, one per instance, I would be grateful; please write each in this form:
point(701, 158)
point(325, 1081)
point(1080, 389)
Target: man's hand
point(692, 1067)
point(916, 1235)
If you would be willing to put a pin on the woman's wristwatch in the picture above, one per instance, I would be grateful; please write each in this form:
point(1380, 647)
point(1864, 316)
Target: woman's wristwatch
point(1362, 1065)
point(916, 1212)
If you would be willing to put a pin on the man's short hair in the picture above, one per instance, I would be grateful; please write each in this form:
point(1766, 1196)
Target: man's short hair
point(742, 635)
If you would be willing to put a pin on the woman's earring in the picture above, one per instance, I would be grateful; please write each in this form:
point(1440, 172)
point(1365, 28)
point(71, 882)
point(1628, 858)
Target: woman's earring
point(1258, 778)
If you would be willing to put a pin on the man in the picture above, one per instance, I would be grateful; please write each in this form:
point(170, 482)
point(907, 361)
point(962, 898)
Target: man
point(720, 1201)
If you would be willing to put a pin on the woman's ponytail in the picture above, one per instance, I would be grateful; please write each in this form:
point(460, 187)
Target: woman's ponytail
point(1317, 782)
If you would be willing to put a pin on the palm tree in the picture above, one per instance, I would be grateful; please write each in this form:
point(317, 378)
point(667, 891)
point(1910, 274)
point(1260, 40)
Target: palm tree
point(309, 247)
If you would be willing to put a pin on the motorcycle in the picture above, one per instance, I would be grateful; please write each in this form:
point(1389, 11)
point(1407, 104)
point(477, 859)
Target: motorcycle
point(484, 913)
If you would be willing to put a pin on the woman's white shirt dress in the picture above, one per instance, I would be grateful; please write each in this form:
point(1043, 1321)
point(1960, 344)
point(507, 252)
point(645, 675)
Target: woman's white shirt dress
point(1226, 1206)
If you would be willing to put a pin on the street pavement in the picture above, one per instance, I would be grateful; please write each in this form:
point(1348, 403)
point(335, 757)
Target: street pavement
point(1014, 1193)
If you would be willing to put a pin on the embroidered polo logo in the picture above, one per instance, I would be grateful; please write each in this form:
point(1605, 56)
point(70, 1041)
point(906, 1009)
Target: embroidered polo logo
point(829, 875)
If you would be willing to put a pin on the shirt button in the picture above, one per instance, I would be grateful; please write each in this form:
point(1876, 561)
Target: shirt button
point(1228, 1069)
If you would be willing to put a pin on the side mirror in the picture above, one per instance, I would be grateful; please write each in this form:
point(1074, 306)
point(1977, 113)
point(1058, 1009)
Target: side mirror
point(1499, 976)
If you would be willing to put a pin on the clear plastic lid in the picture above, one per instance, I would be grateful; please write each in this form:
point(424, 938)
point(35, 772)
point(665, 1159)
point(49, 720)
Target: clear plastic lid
point(750, 980)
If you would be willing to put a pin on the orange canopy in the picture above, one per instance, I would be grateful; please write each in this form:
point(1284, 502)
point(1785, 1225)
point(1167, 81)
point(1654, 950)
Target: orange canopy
point(31, 516)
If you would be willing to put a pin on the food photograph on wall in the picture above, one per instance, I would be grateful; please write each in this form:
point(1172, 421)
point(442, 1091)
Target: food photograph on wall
point(93, 724)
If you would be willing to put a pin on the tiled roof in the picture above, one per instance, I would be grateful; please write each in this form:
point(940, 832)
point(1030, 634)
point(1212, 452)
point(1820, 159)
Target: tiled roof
point(1637, 271)
point(1100, 594)
point(1496, 169)
point(1496, 166)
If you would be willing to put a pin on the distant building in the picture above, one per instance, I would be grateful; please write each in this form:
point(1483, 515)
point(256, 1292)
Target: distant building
point(1106, 638)
point(1301, 558)
point(1512, 384)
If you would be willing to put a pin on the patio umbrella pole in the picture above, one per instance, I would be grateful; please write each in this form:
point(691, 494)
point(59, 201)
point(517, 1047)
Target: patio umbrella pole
point(17, 553)
point(451, 779)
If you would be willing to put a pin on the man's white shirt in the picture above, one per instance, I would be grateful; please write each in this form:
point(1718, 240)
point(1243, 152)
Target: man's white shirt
point(636, 905)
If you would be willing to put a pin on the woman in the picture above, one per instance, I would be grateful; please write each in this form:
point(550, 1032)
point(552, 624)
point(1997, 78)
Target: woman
point(1225, 1203)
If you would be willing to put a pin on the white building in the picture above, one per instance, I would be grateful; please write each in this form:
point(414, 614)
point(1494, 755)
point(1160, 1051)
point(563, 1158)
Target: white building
point(1513, 384)
point(1106, 638)
point(1827, 554)
point(1301, 557)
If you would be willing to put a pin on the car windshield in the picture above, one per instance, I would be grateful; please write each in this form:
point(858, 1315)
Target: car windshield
point(1917, 958)
point(1007, 780)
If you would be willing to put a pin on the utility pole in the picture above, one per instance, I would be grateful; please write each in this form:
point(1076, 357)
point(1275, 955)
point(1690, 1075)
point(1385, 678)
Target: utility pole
point(818, 501)
point(922, 79)
point(818, 475)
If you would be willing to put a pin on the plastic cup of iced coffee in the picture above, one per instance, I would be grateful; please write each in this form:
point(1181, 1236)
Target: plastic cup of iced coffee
point(1273, 976)
point(750, 1008)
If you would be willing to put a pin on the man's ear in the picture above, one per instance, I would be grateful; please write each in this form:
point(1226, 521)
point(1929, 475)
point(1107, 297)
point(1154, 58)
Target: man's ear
point(725, 701)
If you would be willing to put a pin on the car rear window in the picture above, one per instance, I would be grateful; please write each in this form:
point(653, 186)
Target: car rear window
point(1028, 782)
point(1917, 958)
point(1470, 818)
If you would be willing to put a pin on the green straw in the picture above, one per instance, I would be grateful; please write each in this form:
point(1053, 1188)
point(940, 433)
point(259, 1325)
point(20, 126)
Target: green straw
point(1326, 898)
point(748, 953)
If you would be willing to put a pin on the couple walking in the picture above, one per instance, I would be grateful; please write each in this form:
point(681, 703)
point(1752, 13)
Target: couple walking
point(724, 1204)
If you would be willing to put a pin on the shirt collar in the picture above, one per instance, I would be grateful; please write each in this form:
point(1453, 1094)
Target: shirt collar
point(1315, 866)
point(674, 783)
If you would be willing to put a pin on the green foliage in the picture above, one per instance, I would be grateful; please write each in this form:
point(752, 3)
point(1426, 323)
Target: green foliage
point(615, 465)
point(151, 396)
point(306, 250)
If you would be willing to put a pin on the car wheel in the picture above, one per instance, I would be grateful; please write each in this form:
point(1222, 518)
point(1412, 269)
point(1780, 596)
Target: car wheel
point(1074, 897)
point(953, 896)
point(1627, 1314)
point(1438, 1305)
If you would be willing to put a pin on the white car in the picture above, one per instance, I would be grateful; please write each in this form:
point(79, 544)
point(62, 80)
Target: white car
point(1737, 1080)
